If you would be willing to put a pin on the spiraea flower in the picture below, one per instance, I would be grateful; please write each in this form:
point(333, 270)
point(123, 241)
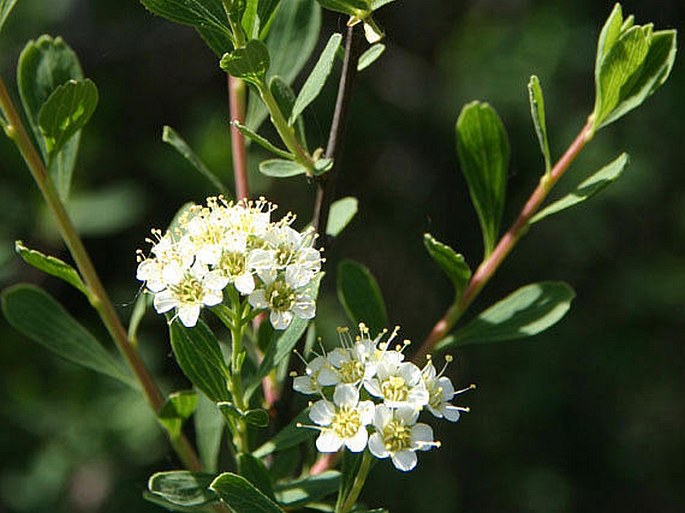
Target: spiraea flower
point(342, 421)
point(372, 371)
point(224, 244)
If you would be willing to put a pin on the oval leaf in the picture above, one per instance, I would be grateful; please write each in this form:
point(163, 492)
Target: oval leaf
point(278, 168)
point(198, 354)
point(370, 56)
point(241, 495)
point(361, 296)
point(526, 312)
point(588, 188)
point(256, 473)
point(249, 63)
point(37, 315)
point(341, 214)
point(300, 492)
point(183, 488)
point(52, 266)
point(317, 78)
point(483, 150)
point(452, 263)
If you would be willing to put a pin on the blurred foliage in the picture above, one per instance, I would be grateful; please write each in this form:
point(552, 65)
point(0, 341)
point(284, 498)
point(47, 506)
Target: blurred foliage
point(585, 417)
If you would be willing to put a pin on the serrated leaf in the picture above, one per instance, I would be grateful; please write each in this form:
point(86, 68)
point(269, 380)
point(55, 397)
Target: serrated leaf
point(65, 112)
point(6, 7)
point(44, 65)
point(361, 296)
point(317, 78)
point(52, 266)
point(249, 63)
point(371, 55)
point(206, 16)
point(242, 496)
point(291, 41)
point(588, 188)
point(537, 112)
point(262, 141)
point(299, 492)
point(172, 138)
point(178, 408)
point(36, 314)
point(483, 150)
point(198, 354)
point(525, 312)
point(279, 168)
point(183, 488)
point(351, 7)
point(255, 472)
point(209, 429)
point(451, 263)
point(290, 436)
point(341, 214)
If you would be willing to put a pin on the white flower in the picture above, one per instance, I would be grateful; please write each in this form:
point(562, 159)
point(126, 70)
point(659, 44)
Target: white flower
point(318, 373)
point(196, 288)
point(343, 421)
point(353, 361)
point(283, 299)
point(398, 436)
point(398, 383)
point(441, 392)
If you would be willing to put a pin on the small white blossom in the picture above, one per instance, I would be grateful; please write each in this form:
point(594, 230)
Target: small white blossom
point(399, 436)
point(284, 300)
point(398, 383)
point(318, 374)
point(343, 421)
point(441, 392)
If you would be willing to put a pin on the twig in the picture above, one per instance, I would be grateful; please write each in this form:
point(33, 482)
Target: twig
point(490, 265)
point(236, 104)
point(325, 184)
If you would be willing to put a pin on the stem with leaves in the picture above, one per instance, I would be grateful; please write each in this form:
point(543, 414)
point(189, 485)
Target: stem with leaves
point(97, 295)
point(506, 243)
point(358, 484)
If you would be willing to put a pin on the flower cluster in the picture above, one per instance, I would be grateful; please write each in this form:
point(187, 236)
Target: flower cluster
point(376, 398)
point(225, 244)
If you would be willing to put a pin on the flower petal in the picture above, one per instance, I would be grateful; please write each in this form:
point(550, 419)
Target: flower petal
point(358, 442)
point(280, 320)
point(322, 413)
point(346, 395)
point(189, 315)
point(451, 413)
point(165, 301)
point(404, 460)
point(422, 436)
point(258, 299)
point(244, 283)
point(328, 441)
point(377, 447)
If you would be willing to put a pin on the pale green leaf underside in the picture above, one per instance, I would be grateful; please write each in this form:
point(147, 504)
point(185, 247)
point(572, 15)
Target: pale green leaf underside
point(241, 495)
point(317, 78)
point(361, 296)
point(371, 55)
point(351, 7)
point(279, 168)
point(170, 506)
point(309, 489)
point(33, 312)
point(524, 313)
point(341, 214)
point(452, 264)
point(588, 188)
point(173, 139)
point(52, 266)
point(537, 112)
point(183, 488)
point(483, 150)
point(209, 429)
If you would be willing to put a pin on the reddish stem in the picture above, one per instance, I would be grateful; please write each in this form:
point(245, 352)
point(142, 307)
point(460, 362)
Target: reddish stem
point(236, 104)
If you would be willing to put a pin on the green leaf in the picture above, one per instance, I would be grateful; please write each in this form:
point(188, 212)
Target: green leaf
point(170, 506)
point(290, 436)
point(371, 55)
point(608, 36)
point(263, 142)
point(65, 112)
point(285, 98)
point(317, 78)
point(266, 10)
point(255, 472)
point(351, 7)
point(257, 417)
point(291, 41)
point(250, 20)
point(526, 312)
point(361, 296)
point(242, 496)
point(249, 63)
point(588, 188)
point(6, 7)
point(178, 408)
point(296, 493)
point(377, 4)
point(198, 354)
point(279, 168)
point(183, 488)
point(37, 315)
point(44, 65)
point(209, 429)
point(341, 214)
point(52, 266)
point(483, 150)
point(537, 112)
point(141, 305)
point(207, 16)
point(452, 263)
point(172, 138)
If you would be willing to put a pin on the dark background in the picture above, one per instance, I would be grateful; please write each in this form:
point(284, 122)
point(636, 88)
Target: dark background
point(587, 417)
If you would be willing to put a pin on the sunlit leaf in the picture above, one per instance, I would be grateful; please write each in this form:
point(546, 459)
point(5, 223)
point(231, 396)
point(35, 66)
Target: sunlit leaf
point(249, 63)
point(300, 492)
point(178, 408)
point(351, 7)
point(537, 112)
point(52, 266)
point(262, 141)
point(341, 214)
point(183, 488)
point(451, 263)
point(279, 168)
point(371, 55)
point(242, 496)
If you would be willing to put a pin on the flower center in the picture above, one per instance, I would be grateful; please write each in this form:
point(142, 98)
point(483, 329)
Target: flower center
point(434, 396)
point(188, 290)
point(395, 389)
point(280, 296)
point(346, 422)
point(284, 253)
point(233, 263)
point(351, 371)
point(396, 436)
